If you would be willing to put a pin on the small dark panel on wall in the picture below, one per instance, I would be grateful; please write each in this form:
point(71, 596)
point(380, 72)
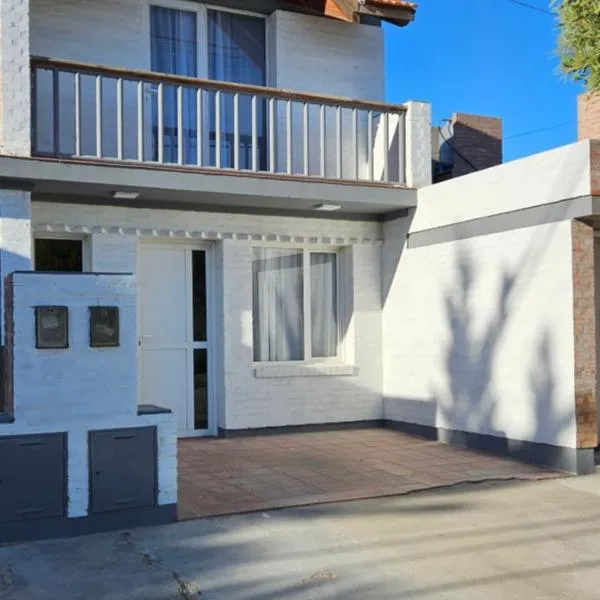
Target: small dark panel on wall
point(51, 327)
point(32, 477)
point(122, 469)
point(104, 326)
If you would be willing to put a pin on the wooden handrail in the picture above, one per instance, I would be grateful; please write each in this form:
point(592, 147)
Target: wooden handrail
point(39, 62)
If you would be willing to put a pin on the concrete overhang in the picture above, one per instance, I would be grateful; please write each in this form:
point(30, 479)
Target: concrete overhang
point(224, 191)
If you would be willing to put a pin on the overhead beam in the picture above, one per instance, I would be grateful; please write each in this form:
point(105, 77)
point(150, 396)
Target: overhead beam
point(395, 14)
point(350, 10)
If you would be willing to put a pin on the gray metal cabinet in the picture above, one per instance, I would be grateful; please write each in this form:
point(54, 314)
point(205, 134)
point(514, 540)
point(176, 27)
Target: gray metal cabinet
point(32, 477)
point(122, 469)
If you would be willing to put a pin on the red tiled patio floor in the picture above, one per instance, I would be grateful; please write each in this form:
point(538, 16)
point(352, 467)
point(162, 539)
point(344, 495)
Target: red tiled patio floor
point(224, 476)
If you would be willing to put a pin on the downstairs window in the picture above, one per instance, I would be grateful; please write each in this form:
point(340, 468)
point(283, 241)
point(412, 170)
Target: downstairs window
point(295, 305)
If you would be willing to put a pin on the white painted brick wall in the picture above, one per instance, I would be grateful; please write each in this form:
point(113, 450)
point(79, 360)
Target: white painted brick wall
point(449, 340)
point(418, 144)
point(15, 237)
point(45, 213)
point(559, 174)
point(113, 253)
point(111, 32)
point(246, 401)
point(77, 465)
point(325, 56)
point(15, 95)
point(478, 333)
point(256, 402)
point(79, 382)
point(80, 388)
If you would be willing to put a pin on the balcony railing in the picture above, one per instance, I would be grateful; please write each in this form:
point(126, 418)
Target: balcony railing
point(91, 112)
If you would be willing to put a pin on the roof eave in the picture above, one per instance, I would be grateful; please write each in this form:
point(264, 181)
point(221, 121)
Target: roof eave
point(398, 12)
point(398, 15)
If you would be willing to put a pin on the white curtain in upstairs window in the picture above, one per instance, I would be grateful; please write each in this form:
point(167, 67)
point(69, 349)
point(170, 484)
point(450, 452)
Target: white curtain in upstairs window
point(236, 47)
point(173, 47)
point(323, 304)
point(236, 53)
point(278, 324)
point(173, 41)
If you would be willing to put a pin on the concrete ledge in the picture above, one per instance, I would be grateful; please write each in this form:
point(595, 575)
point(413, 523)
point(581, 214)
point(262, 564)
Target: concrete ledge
point(40, 529)
point(151, 409)
point(573, 460)
point(308, 428)
point(273, 371)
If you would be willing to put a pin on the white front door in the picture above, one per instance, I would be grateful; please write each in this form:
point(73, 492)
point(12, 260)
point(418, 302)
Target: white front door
point(173, 334)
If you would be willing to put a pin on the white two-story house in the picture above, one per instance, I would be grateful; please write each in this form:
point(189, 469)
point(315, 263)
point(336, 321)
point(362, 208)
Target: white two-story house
point(211, 223)
point(238, 158)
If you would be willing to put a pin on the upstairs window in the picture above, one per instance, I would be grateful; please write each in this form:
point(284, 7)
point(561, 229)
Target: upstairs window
point(295, 305)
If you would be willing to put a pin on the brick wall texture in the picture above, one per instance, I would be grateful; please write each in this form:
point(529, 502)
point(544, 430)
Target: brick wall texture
point(588, 116)
point(595, 166)
point(478, 139)
point(584, 321)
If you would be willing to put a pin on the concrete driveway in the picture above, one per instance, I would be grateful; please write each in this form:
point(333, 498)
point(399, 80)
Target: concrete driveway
point(532, 540)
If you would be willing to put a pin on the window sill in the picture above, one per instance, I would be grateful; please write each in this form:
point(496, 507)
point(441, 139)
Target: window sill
point(274, 371)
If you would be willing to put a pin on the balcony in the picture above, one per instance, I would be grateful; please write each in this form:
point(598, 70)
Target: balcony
point(91, 114)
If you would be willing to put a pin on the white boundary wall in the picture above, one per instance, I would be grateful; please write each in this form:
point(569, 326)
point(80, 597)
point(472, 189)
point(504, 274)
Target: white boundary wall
point(478, 312)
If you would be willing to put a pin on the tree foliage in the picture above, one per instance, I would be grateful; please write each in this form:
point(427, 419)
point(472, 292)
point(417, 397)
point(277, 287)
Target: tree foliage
point(579, 40)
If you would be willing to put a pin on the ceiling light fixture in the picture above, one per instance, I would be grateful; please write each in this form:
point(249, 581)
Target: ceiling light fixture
point(124, 195)
point(327, 207)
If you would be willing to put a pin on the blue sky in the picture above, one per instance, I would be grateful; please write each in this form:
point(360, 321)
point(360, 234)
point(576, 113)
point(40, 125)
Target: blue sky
point(490, 57)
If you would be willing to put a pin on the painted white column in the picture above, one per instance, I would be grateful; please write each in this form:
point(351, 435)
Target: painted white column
point(237, 352)
point(78, 470)
point(15, 82)
point(418, 144)
point(15, 237)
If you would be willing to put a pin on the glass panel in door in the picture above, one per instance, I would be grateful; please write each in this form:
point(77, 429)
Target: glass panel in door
point(236, 53)
point(200, 346)
point(173, 47)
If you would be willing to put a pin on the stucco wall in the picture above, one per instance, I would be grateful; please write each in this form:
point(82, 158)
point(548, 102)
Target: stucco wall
point(541, 179)
point(478, 315)
point(245, 400)
point(478, 336)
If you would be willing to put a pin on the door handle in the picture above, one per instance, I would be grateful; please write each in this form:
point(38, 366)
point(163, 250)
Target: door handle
point(144, 338)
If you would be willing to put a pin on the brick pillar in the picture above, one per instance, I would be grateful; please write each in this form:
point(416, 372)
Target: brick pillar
point(588, 116)
point(477, 139)
point(584, 323)
point(15, 82)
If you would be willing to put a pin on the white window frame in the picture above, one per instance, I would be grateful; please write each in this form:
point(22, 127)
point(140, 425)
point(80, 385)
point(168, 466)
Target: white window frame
point(341, 304)
point(201, 11)
point(86, 250)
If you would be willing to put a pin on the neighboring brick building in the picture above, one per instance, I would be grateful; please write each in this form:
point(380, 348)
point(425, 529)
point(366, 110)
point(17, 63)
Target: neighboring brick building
point(588, 116)
point(466, 143)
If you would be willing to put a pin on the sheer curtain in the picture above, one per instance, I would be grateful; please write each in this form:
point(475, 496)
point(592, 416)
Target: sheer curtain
point(236, 53)
point(174, 51)
point(277, 311)
point(323, 304)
